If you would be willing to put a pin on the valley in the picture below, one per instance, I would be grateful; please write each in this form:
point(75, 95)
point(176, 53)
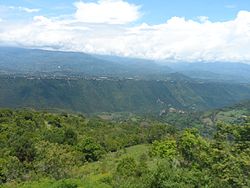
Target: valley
point(71, 120)
point(124, 94)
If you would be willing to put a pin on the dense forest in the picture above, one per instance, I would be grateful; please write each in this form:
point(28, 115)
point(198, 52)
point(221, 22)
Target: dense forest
point(61, 150)
point(118, 95)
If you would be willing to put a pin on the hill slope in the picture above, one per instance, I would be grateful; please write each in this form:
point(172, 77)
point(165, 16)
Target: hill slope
point(114, 95)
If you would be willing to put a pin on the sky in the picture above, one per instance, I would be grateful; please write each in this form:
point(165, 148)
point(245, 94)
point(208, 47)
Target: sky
point(167, 30)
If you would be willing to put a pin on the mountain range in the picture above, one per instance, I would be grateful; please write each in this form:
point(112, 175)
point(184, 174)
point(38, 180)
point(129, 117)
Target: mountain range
point(93, 83)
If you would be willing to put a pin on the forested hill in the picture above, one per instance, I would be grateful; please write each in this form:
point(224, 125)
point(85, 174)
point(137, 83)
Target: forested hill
point(45, 150)
point(117, 95)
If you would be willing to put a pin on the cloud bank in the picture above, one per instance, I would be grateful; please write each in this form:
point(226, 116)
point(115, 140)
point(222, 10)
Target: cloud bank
point(105, 27)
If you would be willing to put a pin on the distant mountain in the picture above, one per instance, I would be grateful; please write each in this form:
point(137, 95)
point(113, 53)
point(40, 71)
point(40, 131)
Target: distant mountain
point(214, 71)
point(97, 83)
point(33, 61)
point(18, 60)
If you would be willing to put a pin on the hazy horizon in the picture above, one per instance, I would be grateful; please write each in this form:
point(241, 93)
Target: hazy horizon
point(173, 31)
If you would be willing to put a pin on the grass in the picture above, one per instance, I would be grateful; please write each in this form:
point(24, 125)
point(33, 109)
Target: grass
point(67, 183)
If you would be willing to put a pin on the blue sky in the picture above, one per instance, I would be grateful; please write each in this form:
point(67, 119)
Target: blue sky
point(173, 30)
point(154, 11)
point(158, 11)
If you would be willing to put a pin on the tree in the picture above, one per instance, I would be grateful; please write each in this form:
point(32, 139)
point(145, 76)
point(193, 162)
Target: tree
point(10, 169)
point(23, 148)
point(54, 135)
point(55, 160)
point(165, 149)
point(70, 136)
point(193, 148)
point(91, 150)
point(126, 167)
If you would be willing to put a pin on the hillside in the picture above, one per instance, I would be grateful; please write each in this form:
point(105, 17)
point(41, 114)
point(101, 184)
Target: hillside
point(41, 149)
point(235, 114)
point(115, 95)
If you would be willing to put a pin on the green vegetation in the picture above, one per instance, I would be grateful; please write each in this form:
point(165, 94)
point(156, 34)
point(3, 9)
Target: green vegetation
point(117, 95)
point(41, 149)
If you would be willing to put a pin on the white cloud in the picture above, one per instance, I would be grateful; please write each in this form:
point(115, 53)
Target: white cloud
point(203, 18)
point(107, 11)
point(29, 10)
point(25, 9)
point(178, 39)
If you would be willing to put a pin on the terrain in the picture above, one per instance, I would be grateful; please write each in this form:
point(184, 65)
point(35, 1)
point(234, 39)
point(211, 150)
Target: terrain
point(71, 120)
point(118, 95)
point(41, 149)
point(89, 83)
